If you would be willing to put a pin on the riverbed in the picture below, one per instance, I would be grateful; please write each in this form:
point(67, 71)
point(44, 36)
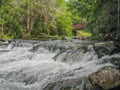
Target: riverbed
point(33, 65)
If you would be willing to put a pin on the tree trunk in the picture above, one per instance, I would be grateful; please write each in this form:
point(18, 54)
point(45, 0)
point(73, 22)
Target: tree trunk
point(28, 23)
point(2, 30)
point(31, 22)
point(118, 15)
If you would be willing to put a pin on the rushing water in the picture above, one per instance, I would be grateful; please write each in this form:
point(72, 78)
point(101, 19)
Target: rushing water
point(32, 65)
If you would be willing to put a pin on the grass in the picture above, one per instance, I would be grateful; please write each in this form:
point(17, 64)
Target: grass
point(84, 33)
point(7, 37)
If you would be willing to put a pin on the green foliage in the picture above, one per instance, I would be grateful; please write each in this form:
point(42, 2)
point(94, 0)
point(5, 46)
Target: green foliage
point(84, 33)
point(7, 36)
point(34, 18)
point(2, 21)
point(102, 17)
point(72, 7)
point(64, 25)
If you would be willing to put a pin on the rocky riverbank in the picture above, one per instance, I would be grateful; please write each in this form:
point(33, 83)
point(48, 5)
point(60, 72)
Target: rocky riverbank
point(59, 65)
point(106, 78)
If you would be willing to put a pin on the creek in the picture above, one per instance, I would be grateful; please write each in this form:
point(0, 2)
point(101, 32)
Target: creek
point(33, 65)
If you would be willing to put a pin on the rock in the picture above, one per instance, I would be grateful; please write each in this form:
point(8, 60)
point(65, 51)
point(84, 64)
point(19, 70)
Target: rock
point(2, 39)
point(64, 84)
point(115, 60)
point(106, 77)
point(116, 88)
point(104, 48)
point(117, 44)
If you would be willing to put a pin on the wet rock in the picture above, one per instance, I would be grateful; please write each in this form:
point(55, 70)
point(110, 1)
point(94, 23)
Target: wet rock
point(30, 80)
point(115, 60)
point(116, 88)
point(5, 41)
point(2, 40)
point(117, 44)
point(104, 48)
point(68, 84)
point(107, 77)
point(74, 55)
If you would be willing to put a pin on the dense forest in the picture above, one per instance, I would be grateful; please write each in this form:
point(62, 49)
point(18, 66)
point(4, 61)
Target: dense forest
point(31, 18)
point(35, 18)
point(102, 17)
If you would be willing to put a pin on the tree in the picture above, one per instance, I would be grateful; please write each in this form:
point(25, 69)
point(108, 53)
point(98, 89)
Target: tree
point(102, 17)
point(34, 18)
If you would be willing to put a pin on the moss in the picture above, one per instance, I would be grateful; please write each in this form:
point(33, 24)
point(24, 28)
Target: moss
point(84, 33)
point(7, 36)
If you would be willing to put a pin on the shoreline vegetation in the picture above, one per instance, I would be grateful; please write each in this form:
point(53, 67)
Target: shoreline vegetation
point(33, 19)
point(60, 44)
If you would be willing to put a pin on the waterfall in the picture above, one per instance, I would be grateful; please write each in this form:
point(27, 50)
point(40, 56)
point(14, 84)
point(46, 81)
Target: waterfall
point(81, 54)
point(33, 65)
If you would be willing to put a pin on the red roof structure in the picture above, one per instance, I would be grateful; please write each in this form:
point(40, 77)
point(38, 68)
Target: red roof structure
point(79, 26)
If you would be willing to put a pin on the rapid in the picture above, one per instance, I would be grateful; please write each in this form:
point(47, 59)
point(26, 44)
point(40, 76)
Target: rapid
point(33, 65)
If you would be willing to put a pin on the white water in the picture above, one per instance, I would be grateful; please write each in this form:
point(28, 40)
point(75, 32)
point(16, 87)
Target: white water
point(21, 69)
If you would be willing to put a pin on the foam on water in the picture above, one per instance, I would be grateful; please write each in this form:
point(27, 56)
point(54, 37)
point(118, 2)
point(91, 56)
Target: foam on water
point(21, 69)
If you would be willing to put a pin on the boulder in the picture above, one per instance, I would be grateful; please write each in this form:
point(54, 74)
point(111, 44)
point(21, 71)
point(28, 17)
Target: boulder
point(2, 40)
point(64, 84)
point(115, 60)
point(117, 44)
point(106, 77)
point(104, 48)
